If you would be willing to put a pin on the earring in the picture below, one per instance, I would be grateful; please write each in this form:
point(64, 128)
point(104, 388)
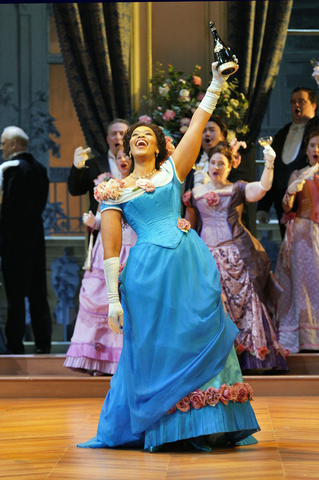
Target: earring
point(131, 156)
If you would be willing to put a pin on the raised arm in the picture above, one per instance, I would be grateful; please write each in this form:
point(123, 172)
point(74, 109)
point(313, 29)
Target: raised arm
point(111, 231)
point(187, 150)
point(257, 190)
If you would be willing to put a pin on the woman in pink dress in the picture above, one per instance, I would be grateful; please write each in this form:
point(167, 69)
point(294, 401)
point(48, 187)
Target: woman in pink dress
point(297, 267)
point(215, 210)
point(94, 348)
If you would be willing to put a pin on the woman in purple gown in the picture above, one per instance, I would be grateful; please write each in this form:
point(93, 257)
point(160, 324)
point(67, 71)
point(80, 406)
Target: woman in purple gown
point(215, 210)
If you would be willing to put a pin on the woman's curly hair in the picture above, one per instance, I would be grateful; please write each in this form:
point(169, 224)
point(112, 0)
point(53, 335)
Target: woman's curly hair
point(161, 143)
point(223, 149)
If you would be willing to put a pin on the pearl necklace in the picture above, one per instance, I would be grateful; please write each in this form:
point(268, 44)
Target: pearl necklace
point(143, 176)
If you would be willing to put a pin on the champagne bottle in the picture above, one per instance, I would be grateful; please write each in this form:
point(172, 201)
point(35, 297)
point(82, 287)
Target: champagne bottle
point(227, 63)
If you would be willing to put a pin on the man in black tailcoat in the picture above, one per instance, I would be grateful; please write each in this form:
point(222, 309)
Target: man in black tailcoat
point(84, 170)
point(25, 186)
point(290, 151)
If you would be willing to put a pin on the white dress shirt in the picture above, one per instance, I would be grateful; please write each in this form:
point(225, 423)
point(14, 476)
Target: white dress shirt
point(293, 142)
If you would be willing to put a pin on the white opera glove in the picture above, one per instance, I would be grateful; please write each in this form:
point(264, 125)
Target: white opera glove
point(213, 91)
point(5, 165)
point(296, 186)
point(111, 274)
point(92, 221)
point(80, 156)
point(315, 74)
point(200, 178)
point(269, 155)
point(262, 216)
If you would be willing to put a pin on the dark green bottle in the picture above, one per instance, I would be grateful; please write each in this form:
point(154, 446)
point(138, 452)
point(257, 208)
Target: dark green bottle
point(227, 63)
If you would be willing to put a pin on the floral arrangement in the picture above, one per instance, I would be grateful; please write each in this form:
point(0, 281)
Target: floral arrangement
point(239, 392)
point(175, 97)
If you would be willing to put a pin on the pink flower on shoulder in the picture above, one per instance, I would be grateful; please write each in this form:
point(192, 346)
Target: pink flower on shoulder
point(212, 199)
point(197, 399)
point(172, 410)
point(212, 396)
point(183, 225)
point(144, 119)
point(103, 177)
point(109, 190)
point(186, 198)
point(183, 405)
point(145, 184)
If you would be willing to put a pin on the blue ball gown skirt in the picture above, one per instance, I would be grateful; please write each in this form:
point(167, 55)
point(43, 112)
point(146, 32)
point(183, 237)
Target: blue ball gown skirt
point(177, 335)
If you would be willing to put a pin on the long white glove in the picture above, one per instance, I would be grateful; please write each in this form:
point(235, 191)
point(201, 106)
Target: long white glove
point(213, 91)
point(80, 156)
point(269, 155)
point(111, 274)
point(91, 220)
point(296, 186)
point(5, 165)
point(200, 178)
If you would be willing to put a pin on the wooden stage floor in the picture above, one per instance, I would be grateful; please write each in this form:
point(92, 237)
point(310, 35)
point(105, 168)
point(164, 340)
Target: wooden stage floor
point(38, 440)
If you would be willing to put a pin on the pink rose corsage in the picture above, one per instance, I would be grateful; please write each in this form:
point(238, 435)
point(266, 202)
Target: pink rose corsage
point(212, 199)
point(145, 184)
point(183, 225)
point(186, 198)
point(109, 190)
point(103, 177)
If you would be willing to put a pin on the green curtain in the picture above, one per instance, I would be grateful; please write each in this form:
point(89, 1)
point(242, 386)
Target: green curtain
point(95, 45)
point(257, 32)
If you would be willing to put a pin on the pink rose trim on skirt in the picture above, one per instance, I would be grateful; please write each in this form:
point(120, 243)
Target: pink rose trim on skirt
point(239, 392)
point(183, 225)
point(106, 190)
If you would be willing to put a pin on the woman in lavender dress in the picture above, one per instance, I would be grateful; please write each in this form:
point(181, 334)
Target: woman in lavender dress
point(215, 209)
point(94, 348)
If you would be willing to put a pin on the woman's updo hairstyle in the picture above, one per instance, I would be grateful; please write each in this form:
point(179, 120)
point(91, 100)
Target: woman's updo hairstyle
point(223, 149)
point(313, 132)
point(160, 138)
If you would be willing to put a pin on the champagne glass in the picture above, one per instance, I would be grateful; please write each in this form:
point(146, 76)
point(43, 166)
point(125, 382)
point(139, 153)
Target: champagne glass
point(264, 141)
point(197, 167)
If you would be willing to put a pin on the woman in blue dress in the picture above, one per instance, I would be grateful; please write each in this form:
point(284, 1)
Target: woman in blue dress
point(178, 381)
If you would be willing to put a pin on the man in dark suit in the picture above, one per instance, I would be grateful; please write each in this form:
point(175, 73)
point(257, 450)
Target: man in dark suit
point(84, 171)
point(22, 247)
point(290, 151)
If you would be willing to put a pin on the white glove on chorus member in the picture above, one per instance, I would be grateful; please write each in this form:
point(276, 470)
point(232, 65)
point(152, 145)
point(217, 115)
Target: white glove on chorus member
point(80, 156)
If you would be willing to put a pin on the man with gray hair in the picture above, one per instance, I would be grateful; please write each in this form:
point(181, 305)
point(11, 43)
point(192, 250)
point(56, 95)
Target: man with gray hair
point(25, 187)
